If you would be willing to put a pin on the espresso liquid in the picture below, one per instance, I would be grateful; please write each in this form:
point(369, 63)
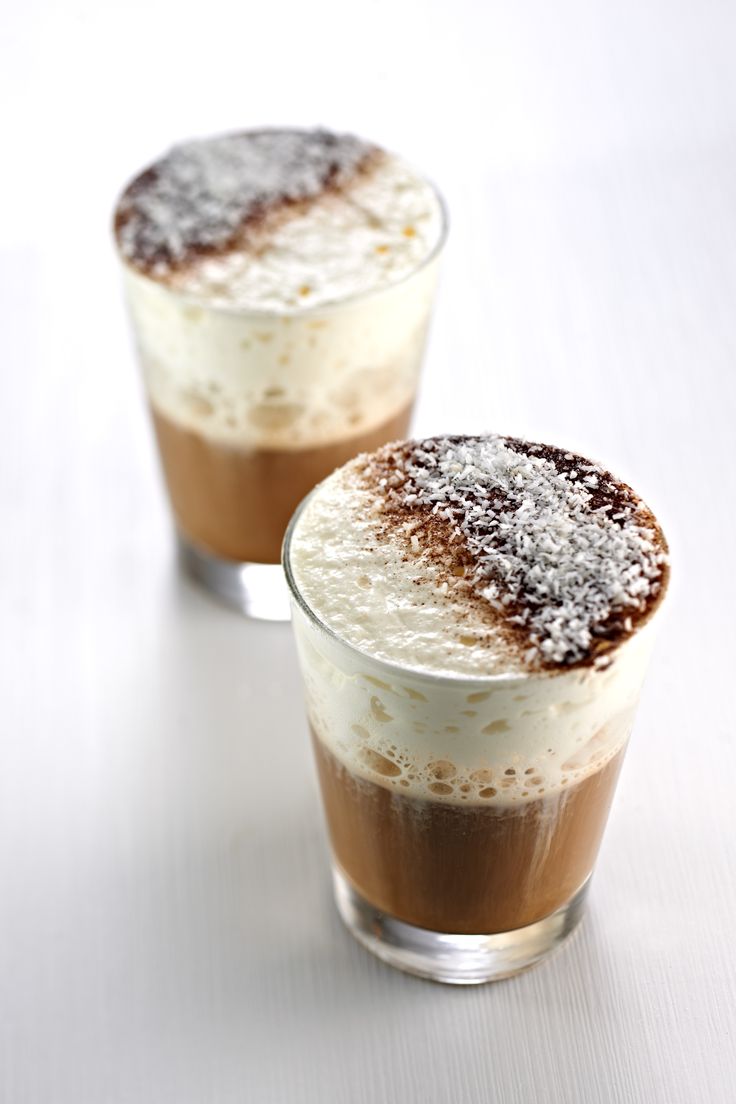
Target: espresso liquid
point(465, 869)
point(237, 502)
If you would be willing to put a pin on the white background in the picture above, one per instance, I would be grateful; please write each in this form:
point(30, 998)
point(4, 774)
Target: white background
point(166, 927)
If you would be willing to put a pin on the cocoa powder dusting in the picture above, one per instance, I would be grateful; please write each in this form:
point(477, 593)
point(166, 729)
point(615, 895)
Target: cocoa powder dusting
point(565, 559)
point(206, 198)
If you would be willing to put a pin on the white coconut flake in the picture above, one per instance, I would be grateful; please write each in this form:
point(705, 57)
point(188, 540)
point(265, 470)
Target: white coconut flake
point(201, 192)
point(559, 561)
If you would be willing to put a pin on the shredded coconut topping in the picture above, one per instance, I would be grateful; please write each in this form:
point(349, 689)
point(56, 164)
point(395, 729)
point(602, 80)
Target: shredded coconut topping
point(202, 196)
point(568, 557)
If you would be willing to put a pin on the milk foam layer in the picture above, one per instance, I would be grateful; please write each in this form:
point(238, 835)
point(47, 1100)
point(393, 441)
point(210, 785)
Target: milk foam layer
point(308, 333)
point(277, 219)
point(487, 741)
point(407, 687)
point(282, 380)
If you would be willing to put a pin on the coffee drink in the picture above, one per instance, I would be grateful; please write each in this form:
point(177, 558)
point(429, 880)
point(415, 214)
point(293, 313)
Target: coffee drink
point(474, 619)
point(280, 285)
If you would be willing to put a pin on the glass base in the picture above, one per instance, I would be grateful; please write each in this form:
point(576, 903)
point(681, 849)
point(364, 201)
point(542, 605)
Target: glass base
point(257, 590)
point(454, 959)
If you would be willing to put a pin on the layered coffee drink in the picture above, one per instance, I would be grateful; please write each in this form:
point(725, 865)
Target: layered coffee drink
point(280, 284)
point(474, 618)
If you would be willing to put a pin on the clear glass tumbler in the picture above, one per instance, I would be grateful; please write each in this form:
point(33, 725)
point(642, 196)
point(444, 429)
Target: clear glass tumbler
point(252, 409)
point(486, 873)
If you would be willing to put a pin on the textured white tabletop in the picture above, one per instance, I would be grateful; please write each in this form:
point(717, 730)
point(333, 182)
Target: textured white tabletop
point(166, 926)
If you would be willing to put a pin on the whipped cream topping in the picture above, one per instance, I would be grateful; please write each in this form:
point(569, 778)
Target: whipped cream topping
point(479, 555)
point(277, 220)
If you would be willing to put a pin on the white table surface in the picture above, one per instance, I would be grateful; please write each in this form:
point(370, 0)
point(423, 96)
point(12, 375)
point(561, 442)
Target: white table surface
point(166, 926)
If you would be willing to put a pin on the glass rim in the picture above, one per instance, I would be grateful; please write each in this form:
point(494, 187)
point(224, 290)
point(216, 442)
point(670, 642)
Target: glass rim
point(441, 678)
point(329, 306)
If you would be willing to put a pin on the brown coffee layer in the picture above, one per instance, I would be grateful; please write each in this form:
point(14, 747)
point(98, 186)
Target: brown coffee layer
point(236, 502)
point(466, 869)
